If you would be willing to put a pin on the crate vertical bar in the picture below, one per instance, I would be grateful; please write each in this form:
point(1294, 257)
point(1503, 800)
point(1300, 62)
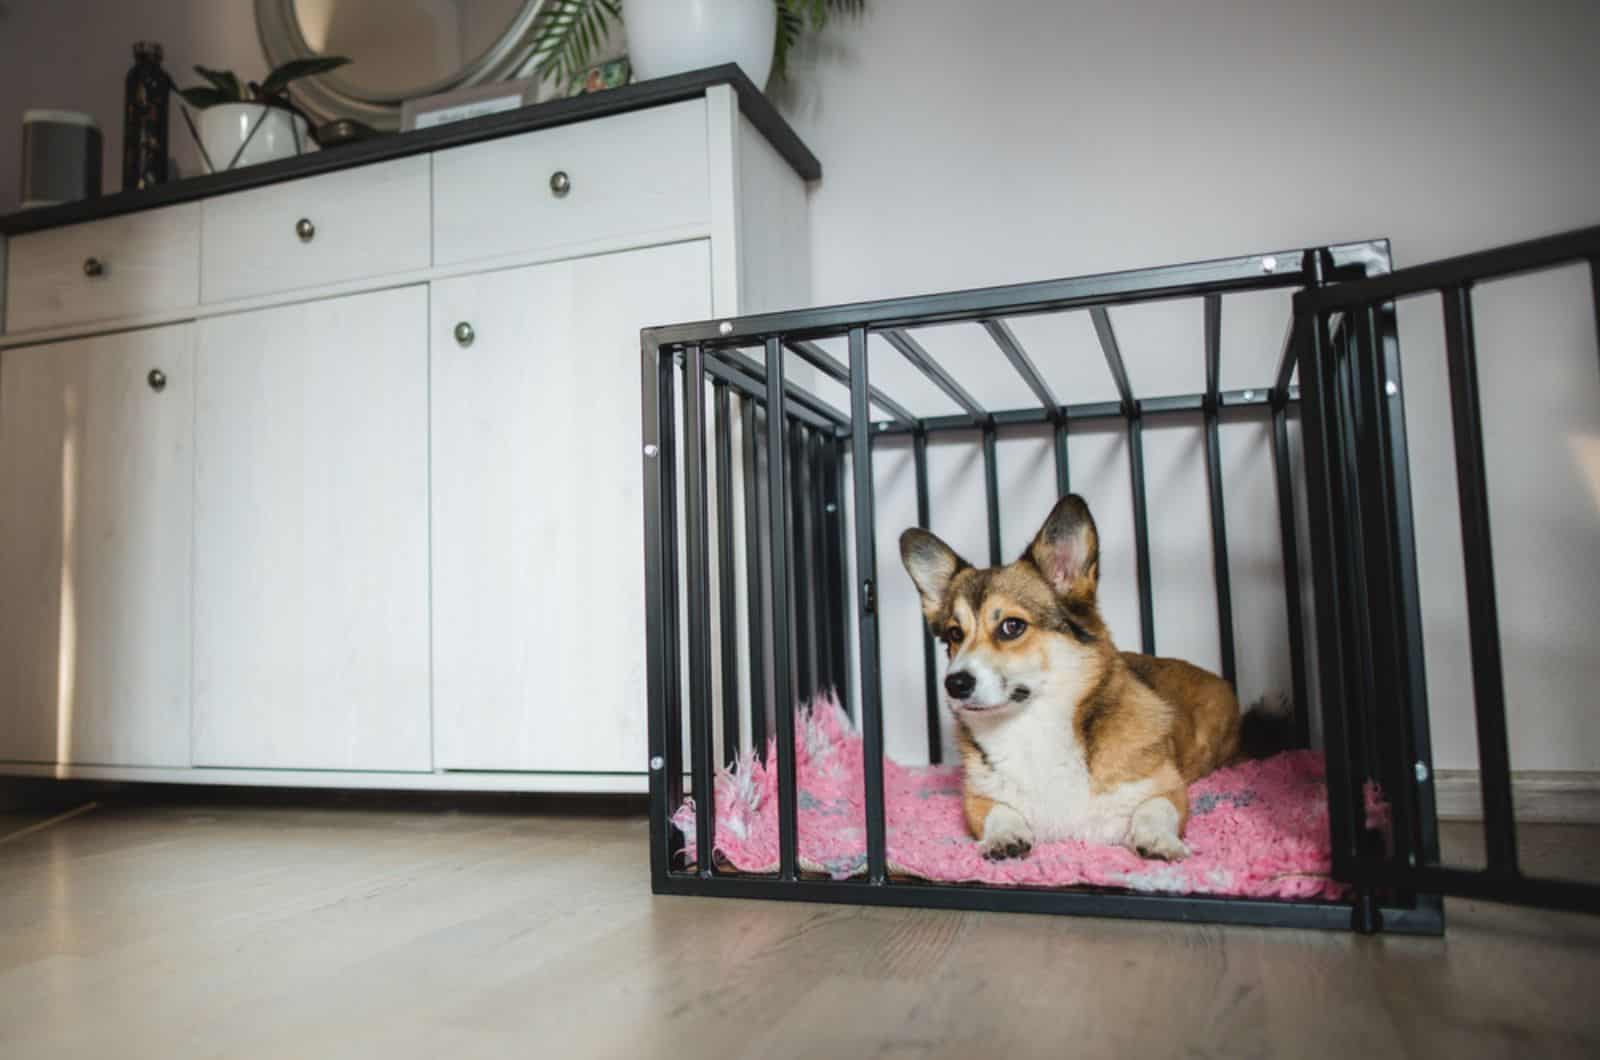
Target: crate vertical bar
point(1320, 444)
point(1063, 466)
point(661, 592)
point(1141, 533)
point(1594, 296)
point(1386, 621)
point(1351, 521)
point(800, 579)
point(1283, 466)
point(1392, 420)
point(697, 549)
point(821, 565)
point(841, 604)
point(727, 587)
point(782, 672)
point(930, 673)
point(991, 493)
point(1483, 621)
point(1219, 523)
point(754, 561)
point(867, 573)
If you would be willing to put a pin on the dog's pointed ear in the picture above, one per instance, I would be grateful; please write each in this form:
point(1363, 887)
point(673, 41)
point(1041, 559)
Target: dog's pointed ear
point(1067, 548)
point(932, 565)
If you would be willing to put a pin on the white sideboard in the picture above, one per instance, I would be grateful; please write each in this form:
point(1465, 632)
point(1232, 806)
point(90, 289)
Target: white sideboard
point(333, 479)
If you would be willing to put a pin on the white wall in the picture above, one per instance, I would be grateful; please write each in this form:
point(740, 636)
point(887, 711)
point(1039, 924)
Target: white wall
point(970, 144)
point(967, 144)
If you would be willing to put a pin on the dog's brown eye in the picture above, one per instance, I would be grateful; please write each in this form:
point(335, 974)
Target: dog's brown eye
point(1012, 628)
point(952, 636)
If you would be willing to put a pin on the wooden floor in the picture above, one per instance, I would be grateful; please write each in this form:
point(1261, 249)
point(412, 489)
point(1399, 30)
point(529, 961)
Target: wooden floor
point(311, 932)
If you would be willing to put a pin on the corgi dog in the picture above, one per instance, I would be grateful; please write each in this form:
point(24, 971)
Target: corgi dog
point(1061, 735)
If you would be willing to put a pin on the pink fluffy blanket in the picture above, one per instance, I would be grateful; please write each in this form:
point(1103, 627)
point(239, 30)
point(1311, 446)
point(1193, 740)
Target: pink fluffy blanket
point(1259, 829)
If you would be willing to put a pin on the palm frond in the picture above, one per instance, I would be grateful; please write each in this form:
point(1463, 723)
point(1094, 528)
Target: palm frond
point(798, 17)
point(569, 35)
point(791, 25)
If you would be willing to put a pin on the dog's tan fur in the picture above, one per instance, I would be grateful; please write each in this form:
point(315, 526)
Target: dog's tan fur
point(1142, 724)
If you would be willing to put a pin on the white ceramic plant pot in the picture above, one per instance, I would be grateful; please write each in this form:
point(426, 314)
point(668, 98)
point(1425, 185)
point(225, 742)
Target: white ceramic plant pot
point(667, 37)
point(226, 127)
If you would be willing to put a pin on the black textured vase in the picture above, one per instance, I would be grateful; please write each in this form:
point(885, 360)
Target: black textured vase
point(144, 127)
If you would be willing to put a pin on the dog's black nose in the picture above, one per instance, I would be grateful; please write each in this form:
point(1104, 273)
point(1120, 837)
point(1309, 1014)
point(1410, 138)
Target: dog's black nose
point(960, 684)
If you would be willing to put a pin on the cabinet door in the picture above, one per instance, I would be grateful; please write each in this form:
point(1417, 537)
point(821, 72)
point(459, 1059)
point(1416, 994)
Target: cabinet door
point(96, 479)
point(311, 535)
point(538, 569)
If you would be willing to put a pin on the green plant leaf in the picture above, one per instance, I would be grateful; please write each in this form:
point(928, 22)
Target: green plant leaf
point(298, 68)
point(201, 97)
point(791, 24)
point(224, 81)
point(798, 17)
point(568, 35)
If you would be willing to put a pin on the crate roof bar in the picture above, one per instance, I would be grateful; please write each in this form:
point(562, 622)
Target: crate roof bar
point(799, 395)
point(753, 387)
point(1113, 354)
point(1286, 360)
point(1219, 522)
point(1006, 339)
point(912, 351)
point(825, 363)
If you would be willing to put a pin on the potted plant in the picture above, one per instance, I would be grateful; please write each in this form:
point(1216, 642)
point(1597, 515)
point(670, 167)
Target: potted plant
point(668, 37)
point(242, 123)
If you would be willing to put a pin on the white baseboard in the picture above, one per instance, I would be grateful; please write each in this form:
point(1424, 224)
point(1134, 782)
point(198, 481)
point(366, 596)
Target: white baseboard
point(1562, 796)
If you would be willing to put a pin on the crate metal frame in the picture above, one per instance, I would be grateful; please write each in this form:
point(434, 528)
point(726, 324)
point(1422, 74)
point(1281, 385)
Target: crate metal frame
point(797, 564)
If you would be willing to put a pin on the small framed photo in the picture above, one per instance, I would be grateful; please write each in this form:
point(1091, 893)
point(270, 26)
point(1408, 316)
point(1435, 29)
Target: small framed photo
point(463, 103)
point(612, 74)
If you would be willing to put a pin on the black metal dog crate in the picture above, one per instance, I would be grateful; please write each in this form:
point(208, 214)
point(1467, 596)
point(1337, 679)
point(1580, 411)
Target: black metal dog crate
point(788, 582)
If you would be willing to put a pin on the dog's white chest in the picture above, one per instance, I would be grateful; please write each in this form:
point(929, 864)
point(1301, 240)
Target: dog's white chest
point(1036, 765)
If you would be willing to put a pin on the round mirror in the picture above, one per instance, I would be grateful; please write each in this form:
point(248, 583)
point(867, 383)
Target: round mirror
point(397, 51)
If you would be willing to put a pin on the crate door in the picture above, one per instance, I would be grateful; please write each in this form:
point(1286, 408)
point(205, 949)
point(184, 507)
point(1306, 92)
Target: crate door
point(1369, 634)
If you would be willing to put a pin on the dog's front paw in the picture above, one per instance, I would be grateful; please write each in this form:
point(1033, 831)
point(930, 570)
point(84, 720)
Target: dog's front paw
point(1005, 835)
point(1153, 832)
point(1161, 845)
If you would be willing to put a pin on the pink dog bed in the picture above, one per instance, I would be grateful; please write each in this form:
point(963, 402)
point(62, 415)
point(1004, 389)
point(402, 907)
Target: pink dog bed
point(1256, 830)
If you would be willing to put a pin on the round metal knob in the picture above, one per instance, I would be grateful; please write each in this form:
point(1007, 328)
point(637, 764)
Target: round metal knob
point(465, 334)
point(157, 380)
point(560, 184)
point(305, 229)
point(93, 267)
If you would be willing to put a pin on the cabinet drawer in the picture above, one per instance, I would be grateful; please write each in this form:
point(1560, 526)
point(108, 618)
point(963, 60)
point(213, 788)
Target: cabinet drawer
point(639, 174)
point(367, 221)
point(144, 262)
